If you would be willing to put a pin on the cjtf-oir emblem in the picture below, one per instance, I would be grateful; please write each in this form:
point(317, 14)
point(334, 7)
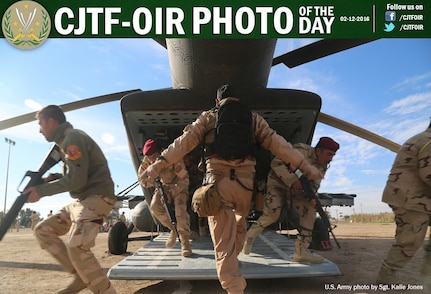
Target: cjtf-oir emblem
point(26, 24)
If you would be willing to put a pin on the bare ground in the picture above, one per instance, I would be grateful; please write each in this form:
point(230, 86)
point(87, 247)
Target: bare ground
point(26, 268)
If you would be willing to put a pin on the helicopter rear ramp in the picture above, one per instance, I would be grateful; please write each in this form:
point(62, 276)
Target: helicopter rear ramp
point(271, 257)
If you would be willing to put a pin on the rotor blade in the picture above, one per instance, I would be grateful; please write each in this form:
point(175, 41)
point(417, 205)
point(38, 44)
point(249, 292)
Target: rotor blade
point(162, 42)
point(25, 118)
point(317, 50)
point(358, 131)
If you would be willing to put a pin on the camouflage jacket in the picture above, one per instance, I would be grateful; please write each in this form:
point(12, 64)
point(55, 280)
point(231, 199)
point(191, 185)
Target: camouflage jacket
point(281, 173)
point(174, 177)
point(409, 182)
point(85, 169)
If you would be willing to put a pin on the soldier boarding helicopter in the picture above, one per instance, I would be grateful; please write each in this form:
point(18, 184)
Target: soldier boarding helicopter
point(198, 68)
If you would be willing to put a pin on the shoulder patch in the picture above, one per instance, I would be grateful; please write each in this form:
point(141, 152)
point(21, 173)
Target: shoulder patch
point(73, 152)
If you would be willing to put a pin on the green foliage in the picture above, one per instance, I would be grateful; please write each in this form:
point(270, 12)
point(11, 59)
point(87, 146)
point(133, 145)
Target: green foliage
point(25, 217)
point(382, 217)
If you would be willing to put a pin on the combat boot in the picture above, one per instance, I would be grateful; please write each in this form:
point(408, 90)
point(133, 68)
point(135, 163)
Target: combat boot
point(75, 287)
point(301, 255)
point(186, 249)
point(172, 239)
point(386, 276)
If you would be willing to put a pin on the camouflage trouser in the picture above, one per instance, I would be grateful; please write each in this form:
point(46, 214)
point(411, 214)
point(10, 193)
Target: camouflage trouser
point(410, 234)
point(228, 229)
point(277, 195)
point(426, 265)
point(81, 220)
point(180, 202)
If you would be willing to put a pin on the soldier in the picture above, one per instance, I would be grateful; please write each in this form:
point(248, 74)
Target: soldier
point(408, 193)
point(87, 178)
point(122, 217)
point(17, 224)
point(13, 225)
point(282, 186)
point(233, 181)
point(175, 182)
point(34, 220)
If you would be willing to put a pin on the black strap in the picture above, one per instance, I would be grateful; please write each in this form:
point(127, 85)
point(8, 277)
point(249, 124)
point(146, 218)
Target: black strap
point(233, 177)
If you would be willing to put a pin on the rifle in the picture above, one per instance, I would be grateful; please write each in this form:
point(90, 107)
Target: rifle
point(309, 193)
point(169, 207)
point(34, 179)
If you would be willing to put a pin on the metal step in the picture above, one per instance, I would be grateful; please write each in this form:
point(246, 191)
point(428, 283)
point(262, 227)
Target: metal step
point(271, 257)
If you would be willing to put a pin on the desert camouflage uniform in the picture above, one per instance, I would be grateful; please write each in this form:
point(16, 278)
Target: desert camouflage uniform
point(426, 265)
point(228, 228)
point(197, 224)
point(279, 183)
point(175, 180)
point(408, 193)
point(34, 220)
point(87, 177)
point(122, 218)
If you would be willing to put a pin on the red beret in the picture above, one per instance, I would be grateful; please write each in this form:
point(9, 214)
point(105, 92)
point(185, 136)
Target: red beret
point(328, 143)
point(150, 147)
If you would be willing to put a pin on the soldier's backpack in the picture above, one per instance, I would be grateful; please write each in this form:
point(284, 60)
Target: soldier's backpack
point(233, 138)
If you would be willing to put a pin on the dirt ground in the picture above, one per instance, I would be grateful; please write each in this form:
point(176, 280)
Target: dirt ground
point(25, 268)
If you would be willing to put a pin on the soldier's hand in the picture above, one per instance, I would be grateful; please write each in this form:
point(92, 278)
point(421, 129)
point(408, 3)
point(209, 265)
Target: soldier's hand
point(153, 171)
point(297, 186)
point(145, 163)
point(313, 203)
point(33, 195)
point(311, 171)
point(50, 178)
point(143, 178)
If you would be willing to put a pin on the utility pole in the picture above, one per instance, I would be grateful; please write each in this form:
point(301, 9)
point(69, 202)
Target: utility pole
point(11, 143)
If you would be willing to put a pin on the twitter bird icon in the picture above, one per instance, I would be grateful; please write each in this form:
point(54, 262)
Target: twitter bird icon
point(389, 27)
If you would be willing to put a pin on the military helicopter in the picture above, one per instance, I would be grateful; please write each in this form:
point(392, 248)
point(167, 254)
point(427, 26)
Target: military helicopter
point(198, 68)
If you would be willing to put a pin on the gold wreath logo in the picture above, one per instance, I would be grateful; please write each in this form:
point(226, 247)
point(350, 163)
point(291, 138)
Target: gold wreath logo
point(26, 24)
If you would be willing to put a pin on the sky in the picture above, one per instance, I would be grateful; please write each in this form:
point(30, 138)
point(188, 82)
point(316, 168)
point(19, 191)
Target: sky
point(383, 86)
